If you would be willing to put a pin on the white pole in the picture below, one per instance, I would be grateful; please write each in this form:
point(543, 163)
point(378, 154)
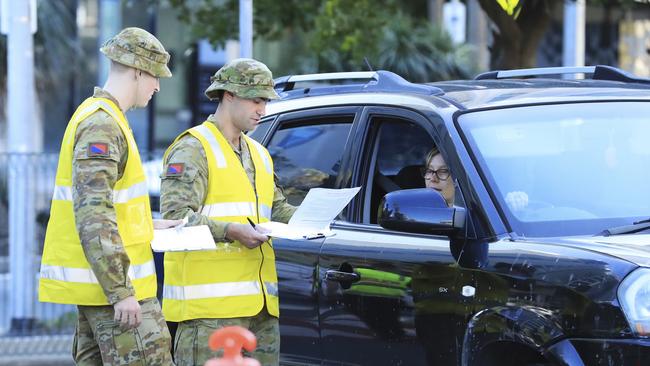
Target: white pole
point(20, 135)
point(246, 28)
point(573, 52)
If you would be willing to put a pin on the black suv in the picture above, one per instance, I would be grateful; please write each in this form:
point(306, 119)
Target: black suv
point(541, 260)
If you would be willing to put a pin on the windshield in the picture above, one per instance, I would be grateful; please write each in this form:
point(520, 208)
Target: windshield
point(565, 169)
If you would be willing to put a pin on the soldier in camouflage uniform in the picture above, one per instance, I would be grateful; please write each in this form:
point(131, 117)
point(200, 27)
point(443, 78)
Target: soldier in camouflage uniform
point(242, 88)
point(125, 331)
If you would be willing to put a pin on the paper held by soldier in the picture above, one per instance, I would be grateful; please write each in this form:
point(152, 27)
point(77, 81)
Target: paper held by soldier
point(313, 217)
point(183, 238)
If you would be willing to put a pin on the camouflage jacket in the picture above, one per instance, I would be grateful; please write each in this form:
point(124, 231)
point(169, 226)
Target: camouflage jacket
point(183, 195)
point(93, 179)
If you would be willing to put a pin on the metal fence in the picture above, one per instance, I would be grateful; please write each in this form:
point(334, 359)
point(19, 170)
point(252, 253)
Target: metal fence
point(34, 190)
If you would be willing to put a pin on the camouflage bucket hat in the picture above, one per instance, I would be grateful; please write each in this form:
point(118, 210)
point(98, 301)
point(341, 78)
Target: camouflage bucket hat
point(138, 48)
point(244, 77)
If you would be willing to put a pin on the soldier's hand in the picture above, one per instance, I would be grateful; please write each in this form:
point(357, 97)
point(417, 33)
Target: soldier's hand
point(128, 312)
point(159, 224)
point(246, 235)
point(262, 230)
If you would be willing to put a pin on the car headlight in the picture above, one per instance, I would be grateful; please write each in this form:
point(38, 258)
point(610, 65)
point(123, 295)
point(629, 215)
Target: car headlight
point(634, 297)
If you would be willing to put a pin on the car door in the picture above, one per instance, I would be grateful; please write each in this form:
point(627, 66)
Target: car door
point(307, 149)
point(388, 298)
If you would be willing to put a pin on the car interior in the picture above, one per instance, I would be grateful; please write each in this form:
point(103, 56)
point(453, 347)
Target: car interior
point(395, 163)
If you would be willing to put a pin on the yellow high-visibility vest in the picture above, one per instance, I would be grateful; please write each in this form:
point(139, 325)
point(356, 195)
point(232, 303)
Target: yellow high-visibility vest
point(227, 282)
point(66, 276)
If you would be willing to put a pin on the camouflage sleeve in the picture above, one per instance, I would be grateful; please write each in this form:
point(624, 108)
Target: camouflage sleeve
point(185, 184)
point(99, 158)
point(282, 210)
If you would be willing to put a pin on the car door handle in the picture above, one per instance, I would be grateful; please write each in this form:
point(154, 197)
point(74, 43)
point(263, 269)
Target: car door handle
point(340, 276)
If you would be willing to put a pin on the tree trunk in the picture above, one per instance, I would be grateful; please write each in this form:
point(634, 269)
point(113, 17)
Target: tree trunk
point(516, 40)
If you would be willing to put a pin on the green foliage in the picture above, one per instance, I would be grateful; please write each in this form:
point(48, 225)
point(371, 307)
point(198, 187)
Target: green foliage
point(218, 20)
point(423, 51)
point(350, 28)
point(415, 49)
point(339, 34)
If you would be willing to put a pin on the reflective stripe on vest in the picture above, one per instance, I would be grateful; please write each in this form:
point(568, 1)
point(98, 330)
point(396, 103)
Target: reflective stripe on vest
point(97, 104)
point(219, 158)
point(265, 211)
point(86, 275)
point(271, 288)
point(64, 193)
point(235, 209)
point(260, 149)
point(225, 289)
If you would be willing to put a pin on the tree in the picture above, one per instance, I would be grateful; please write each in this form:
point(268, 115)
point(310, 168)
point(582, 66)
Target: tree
point(390, 34)
point(521, 25)
point(519, 30)
point(341, 35)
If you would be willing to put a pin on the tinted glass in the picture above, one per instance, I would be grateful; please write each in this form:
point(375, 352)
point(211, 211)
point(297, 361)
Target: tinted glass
point(565, 169)
point(402, 144)
point(401, 148)
point(308, 154)
point(259, 133)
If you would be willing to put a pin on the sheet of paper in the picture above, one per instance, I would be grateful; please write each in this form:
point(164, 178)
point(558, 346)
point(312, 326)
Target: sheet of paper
point(313, 217)
point(183, 238)
point(282, 230)
point(320, 207)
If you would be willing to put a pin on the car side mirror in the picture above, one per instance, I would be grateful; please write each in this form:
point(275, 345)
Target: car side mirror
point(421, 210)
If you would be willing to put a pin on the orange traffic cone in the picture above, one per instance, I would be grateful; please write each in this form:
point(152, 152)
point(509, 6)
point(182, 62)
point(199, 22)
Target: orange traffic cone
point(232, 339)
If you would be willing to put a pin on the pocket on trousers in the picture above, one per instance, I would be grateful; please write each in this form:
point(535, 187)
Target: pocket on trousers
point(75, 343)
point(119, 346)
point(128, 346)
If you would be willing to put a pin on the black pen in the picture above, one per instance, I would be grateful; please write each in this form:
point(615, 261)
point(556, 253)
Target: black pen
point(253, 225)
point(251, 222)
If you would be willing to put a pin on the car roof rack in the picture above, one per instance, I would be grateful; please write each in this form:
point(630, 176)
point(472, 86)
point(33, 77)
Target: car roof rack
point(378, 81)
point(599, 72)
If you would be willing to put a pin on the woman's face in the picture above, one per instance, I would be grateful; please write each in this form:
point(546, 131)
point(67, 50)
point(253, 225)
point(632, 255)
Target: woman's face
point(438, 168)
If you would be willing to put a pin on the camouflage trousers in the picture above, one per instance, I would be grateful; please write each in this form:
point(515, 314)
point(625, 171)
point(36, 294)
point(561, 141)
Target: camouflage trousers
point(191, 343)
point(100, 340)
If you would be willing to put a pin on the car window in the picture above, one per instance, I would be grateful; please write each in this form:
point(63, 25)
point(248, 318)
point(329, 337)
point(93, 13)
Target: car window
point(258, 133)
point(399, 151)
point(307, 154)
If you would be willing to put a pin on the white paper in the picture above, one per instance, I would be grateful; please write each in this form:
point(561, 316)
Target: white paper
point(282, 230)
point(313, 217)
point(183, 238)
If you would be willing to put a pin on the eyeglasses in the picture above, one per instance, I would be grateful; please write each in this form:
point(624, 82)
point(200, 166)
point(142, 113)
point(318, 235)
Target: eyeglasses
point(442, 174)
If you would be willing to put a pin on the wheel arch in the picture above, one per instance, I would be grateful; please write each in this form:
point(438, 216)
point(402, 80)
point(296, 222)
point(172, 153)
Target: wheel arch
point(523, 334)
